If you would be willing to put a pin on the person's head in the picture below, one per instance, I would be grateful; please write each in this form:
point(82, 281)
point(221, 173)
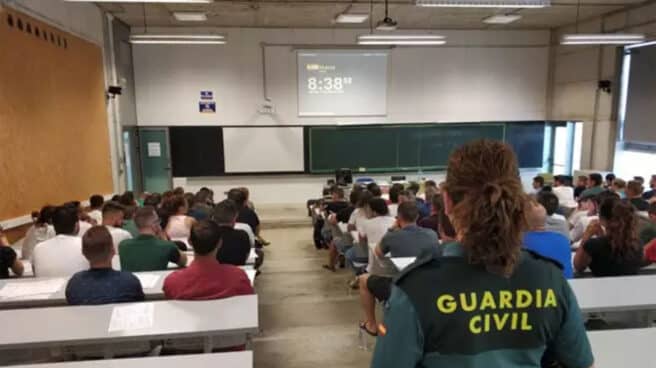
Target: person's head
point(549, 201)
point(354, 196)
point(127, 199)
point(225, 213)
point(639, 179)
point(485, 201)
point(377, 207)
point(77, 205)
point(177, 205)
point(652, 212)
point(98, 247)
point(430, 184)
point(45, 215)
point(619, 186)
point(394, 191)
point(337, 193)
point(538, 182)
point(147, 220)
point(364, 198)
point(113, 214)
point(582, 181)
point(208, 194)
point(238, 196)
point(536, 216)
point(610, 178)
point(96, 201)
point(429, 192)
point(407, 213)
point(620, 222)
point(595, 180)
point(190, 198)
point(203, 197)
point(413, 187)
point(437, 204)
point(116, 198)
point(652, 182)
point(246, 192)
point(153, 200)
point(406, 196)
point(178, 191)
point(559, 181)
point(205, 237)
point(600, 198)
point(65, 220)
point(374, 189)
point(634, 189)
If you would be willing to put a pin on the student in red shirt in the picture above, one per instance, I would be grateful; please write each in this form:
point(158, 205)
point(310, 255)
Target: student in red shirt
point(206, 278)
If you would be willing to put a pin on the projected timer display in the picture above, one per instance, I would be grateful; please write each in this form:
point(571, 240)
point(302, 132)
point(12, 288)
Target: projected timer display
point(342, 83)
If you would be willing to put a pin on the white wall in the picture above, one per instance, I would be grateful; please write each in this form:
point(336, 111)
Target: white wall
point(481, 76)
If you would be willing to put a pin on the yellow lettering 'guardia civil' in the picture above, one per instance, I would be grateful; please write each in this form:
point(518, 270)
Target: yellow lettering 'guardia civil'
point(446, 304)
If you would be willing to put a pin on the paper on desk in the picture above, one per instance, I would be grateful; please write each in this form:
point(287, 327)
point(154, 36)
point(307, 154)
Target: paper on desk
point(148, 280)
point(132, 317)
point(33, 289)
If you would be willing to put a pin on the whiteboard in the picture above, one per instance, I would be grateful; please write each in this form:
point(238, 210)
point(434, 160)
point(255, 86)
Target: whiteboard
point(263, 149)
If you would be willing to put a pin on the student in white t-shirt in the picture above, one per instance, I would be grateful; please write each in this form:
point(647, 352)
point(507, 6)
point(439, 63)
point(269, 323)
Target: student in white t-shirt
point(375, 227)
point(96, 202)
point(113, 215)
point(39, 232)
point(61, 256)
point(564, 192)
point(394, 198)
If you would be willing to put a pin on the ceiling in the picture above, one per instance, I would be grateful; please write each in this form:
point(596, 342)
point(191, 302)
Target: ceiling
point(320, 14)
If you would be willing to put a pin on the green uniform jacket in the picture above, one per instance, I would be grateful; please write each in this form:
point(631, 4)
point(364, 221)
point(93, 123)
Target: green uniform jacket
point(444, 312)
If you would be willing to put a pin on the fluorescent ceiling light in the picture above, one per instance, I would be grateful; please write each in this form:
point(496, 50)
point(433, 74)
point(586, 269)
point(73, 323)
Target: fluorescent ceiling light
point(351, 18)
point(190, 16)
point(143, 1)
point(643, 44)
point(602, 39)
point(414, 40)
point(178, 39)
point(502, 19)
point(484, 3)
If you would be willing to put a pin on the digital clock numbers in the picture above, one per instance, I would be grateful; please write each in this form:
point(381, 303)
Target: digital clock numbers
point(328, 84)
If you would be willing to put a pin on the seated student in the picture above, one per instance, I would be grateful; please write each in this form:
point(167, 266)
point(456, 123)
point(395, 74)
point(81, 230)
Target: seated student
point(564, 192)
point(179, 224)
point(127, 199)
point(374, 189)
point(432, 222)
point(40, 231)
point(639, 179)
point(553, 222)
point(83, 224)
point(407, 240)
point(329, 207)
point(413, 188)
point(60, 256)
point(434, 316)
point(128, 221)
point(96, 202)
point(206, 278)
point(235, 244)
point(595, 185)
point(148, 251)
point(154, 200)
point(394, 191)
point(647, 232)
point(341, 242)
point(581, 185)
point(202, 206)
point(101, 284)
point(246, 214)
point(634, 196)
point(113, 215)
point(652, 186)
point(377, 224)
point(610, 179)
point(248, 203)
point(430, 190)
point(590, 205)
point(8, 258)
point(538, 184)
point(619, 187)
point(358, 253)
point(546, 243)
point(617, 252)
point(406, 196)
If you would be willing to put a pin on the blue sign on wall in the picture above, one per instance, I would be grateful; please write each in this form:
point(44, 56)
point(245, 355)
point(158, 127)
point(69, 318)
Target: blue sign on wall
point(206, 95)
point(207, 107)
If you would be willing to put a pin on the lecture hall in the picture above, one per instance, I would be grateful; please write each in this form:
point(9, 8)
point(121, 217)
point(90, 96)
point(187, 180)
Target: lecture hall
point(327, 183)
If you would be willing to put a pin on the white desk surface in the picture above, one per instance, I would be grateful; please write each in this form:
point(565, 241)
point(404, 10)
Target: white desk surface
point(83, 325)
point(242, 359)
point(613, 294)
point(59, 298)
point(623, 348)
point(402, 262)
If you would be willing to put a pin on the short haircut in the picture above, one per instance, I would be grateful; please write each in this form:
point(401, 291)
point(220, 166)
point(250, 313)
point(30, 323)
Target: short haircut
point(408, 211)
point(640, 179)
point(96, 201)
point(413, 187)
point(549, 201)
point(127, 198)
point(394, 192)
point(596, 179)
point(225, 212)
point(619, 183)
point(112, 207)
point(559, 179)
point(64, 219)
point(205, 237)
point(339, 192)
point(178, 191)
point(430, 183)
point(540, 180)
point(146, 217)
point(378, 206)
point(374, 189)
point(634, 187)
point(652, 209)
point(45, 215)
point(610, 177)
point(97, 244)
point(238, 196)
point(116, 198)
point(153, 200)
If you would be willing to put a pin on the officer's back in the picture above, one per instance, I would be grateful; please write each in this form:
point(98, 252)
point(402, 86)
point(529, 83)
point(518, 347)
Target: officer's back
point(486, 303)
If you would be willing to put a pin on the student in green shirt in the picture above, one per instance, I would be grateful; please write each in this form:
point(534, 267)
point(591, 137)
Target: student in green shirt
point(148, 252)
point(595, 185)
point(487, 303)
point(648, 227)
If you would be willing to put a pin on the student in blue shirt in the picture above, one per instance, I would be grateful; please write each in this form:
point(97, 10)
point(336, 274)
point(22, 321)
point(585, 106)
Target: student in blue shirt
point(101, 284)
point(547, 243)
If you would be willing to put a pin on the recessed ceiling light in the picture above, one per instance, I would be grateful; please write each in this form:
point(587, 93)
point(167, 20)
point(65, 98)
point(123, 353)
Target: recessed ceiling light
point(190, 16)
point(408, 40)
point(601, 39)
point(502, 19)
point(351, 18)
point(178, 39)
point(484, 3)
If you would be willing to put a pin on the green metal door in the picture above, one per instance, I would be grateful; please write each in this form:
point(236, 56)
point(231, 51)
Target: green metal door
point(155, 159)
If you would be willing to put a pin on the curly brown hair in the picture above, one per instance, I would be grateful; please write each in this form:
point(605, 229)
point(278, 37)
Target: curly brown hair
point(621, 226)
point(489, 204)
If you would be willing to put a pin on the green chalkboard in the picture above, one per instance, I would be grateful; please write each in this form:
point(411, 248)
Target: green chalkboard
point(385, 148)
